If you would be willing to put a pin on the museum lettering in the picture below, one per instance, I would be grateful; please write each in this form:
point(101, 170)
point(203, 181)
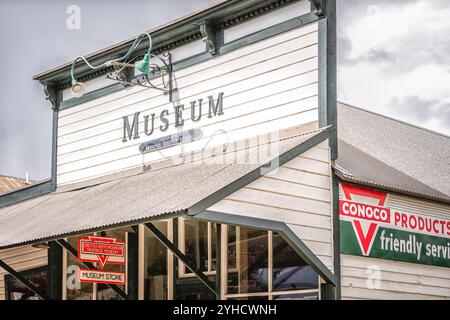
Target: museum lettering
point(152, 122)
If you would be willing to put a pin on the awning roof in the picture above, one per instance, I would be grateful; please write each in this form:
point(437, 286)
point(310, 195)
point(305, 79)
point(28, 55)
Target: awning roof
point(385, 153)
point(167, 189)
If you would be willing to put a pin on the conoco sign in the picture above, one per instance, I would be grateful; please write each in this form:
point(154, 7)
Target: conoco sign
point(369, 227)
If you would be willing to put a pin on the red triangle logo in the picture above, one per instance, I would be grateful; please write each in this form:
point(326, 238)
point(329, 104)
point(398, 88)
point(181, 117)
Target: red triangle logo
point(102, 259)
point(365, 240)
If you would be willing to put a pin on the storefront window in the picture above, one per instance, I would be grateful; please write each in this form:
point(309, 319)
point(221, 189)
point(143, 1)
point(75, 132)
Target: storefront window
point(261, 265)
point(251, 262)
point(290, 272)
point(197, 239)
point(155, 264)
point(16, 290)
point(104, 292)
point(198, 242)
point(192, 288)
point(76, 290)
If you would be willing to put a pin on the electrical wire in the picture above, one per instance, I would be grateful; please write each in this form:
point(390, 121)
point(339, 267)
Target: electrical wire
point(133, 47)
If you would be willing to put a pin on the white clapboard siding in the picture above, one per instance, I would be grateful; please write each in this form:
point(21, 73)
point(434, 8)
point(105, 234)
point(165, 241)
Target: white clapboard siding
point(298, 194)
point(284, 106)
point(397, 280)
point(240, 101)
point(291, 11)
point(206, 66)
point(21, 259)
point(418, 206)
point(267, 86)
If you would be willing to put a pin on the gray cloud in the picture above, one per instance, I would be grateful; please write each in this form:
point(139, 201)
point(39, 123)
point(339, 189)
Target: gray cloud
point(419, 109)
point(421, 46)
point(34, 37)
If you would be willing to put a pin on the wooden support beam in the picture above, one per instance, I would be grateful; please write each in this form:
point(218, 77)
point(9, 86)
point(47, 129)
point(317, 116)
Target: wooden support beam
point(181, 256)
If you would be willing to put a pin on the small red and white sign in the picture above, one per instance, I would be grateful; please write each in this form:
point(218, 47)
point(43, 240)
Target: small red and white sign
point(103, 250)
point(364, 217)
point(98, 276)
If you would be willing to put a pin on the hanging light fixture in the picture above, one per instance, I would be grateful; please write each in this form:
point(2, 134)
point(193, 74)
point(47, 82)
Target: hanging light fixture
point(78, 88)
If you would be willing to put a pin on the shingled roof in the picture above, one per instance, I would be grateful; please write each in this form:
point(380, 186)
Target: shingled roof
point(10, 183)
point(382, 152)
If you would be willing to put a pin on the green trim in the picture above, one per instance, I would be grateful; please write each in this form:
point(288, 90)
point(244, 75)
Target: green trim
point(92, 95)
point(187, 261)
point(198, 58)
point(257, 173)
point(175, 260)
point(175, 34)
point(20, 195)
point(323, 73)
point(133, 264)
point(274, 30)
point(327, 292)
point(47, 186)
point(285, 232)
point(336, 233)
point(331, 83)
point(54, 149)
point(54, 270)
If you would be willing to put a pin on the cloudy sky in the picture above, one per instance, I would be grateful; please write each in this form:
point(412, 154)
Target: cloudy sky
point(393, 59)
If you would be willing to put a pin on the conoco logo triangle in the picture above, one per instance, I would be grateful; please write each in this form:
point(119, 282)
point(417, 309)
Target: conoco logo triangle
point(365, 230)
point(365, 239)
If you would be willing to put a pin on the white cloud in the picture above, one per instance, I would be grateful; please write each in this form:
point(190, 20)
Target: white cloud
point(391, 50)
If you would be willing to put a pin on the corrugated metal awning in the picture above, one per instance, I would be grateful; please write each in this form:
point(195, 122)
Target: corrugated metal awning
point(167, 189)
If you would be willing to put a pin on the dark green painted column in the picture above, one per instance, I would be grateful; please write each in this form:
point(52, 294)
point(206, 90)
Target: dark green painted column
point(133, 264)
point(218, 259)
point(54, 271)
point(327, 291)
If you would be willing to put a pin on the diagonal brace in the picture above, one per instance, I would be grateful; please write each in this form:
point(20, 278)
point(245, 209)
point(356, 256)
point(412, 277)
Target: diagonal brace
point(22, 279)
point(182, 257)
point(74, 253)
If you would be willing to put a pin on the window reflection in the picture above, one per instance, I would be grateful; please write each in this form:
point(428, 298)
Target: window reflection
point(290, 272)
point(196, 242)
point(251, 261)
point(155, 264)
point(298, 296)
point(76, 290)
point(16, 290)
point(104, 292)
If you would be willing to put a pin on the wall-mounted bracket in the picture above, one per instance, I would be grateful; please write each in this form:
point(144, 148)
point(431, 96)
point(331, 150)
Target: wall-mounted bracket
point(208, 31)
point(51, 94)
point(320, 6)
point(161, 68)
